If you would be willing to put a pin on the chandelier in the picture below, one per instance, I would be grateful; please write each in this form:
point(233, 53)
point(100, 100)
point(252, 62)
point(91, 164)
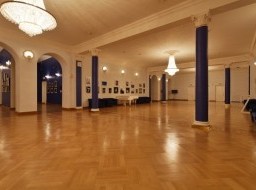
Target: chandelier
point(172, 68)
point(30, 15)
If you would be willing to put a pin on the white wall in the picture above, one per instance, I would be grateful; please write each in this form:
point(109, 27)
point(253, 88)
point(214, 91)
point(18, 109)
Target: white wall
point(239, 83)
point(112, 75)
point(181, 82)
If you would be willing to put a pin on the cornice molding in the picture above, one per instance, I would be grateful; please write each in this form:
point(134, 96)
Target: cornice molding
point(174, 14)
point(232, 61)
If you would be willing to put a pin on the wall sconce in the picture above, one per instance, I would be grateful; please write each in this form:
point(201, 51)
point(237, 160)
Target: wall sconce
point(8, 63)
point(28, 54)
point(159, 78)
point(136, 74)
point(123, 71)
point(104, 69)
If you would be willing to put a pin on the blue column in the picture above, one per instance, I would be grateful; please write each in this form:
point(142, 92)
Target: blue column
point(201, 115)
point(95, 99)
point(78, 84)
point(163, 98)
point(149, 86)
point(227, 87)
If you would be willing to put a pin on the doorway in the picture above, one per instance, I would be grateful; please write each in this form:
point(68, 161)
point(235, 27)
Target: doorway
point(49, 81)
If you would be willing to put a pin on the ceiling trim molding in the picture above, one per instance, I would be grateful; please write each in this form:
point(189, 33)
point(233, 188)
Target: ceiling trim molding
point(232, 61)
point(176, 13)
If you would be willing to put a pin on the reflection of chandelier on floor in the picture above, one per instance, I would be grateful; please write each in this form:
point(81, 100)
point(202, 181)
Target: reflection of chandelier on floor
point(30, 15)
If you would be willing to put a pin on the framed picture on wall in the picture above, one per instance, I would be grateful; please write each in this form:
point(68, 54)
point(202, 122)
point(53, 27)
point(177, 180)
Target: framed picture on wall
point(137, 91)
point(110, 90)
point(88, 80)
point(132, 92)
point(132, 86)
point(116, 83)
point(88, 89)
point(121, 91)
point(103, 90)
point(127, 90)
point(55, 83)
point(127, 83)
point(116, 90)
point(140, 85)
point(104, 83)
point(144, 91)
point(144, 85)
point(140, 90)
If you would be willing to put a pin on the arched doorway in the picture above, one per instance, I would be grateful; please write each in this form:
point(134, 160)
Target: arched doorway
point(155, 88)
point(7, 79)
point(49, 81)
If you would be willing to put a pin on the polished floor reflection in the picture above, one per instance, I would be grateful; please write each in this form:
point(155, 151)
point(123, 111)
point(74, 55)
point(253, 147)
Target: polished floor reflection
point(141, 147)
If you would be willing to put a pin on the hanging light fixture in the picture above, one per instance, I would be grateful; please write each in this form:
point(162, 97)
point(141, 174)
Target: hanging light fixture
point(171, 68)
point(30, 15)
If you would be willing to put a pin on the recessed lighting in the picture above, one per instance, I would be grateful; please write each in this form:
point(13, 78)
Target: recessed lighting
point(136, 74)
point(122, 71)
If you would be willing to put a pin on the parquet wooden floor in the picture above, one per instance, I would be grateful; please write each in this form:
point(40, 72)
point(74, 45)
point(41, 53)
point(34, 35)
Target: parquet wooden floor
point(143, 147)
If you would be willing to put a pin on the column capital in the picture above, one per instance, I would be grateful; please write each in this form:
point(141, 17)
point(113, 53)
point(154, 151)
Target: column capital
point(227, 66)
point(95, 52)
point(202, 19)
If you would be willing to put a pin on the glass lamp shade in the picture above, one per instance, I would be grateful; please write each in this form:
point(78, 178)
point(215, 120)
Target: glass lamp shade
point(29, 15)
point(172, 68)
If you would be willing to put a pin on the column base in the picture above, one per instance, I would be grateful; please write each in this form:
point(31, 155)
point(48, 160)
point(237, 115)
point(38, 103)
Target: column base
point(163, 102)
point(95, 109)
point(201, 125)
point(227, 106)
point(79, 108)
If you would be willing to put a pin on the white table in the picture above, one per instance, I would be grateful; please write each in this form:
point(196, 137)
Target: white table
point(129, 99)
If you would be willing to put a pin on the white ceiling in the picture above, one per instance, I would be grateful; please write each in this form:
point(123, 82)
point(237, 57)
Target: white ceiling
point(81, 20)
point(230, 34)
point(231, 30)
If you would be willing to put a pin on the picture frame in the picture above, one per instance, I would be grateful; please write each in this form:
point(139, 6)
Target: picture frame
point(55, 83)
point(103, 90)
point(144, 85)
point(115, 90)
point(121, 91)
point(127, 83)
point(116, 82)
point(127, 90)
point(88, 89)
point(110, 90)
point(88, 80)
point(137, 91)
point(140, 90)
point(104, 83)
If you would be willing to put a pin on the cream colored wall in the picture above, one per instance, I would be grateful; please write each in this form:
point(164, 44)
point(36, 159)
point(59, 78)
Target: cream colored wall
point(26, 70)
point(253, 80)
point(110, 76)
point(239, 83)
point(155, 89)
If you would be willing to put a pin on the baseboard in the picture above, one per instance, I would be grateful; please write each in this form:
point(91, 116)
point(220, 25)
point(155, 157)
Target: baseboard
point(69, 109)
point(27, 113)
point(178, 99)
